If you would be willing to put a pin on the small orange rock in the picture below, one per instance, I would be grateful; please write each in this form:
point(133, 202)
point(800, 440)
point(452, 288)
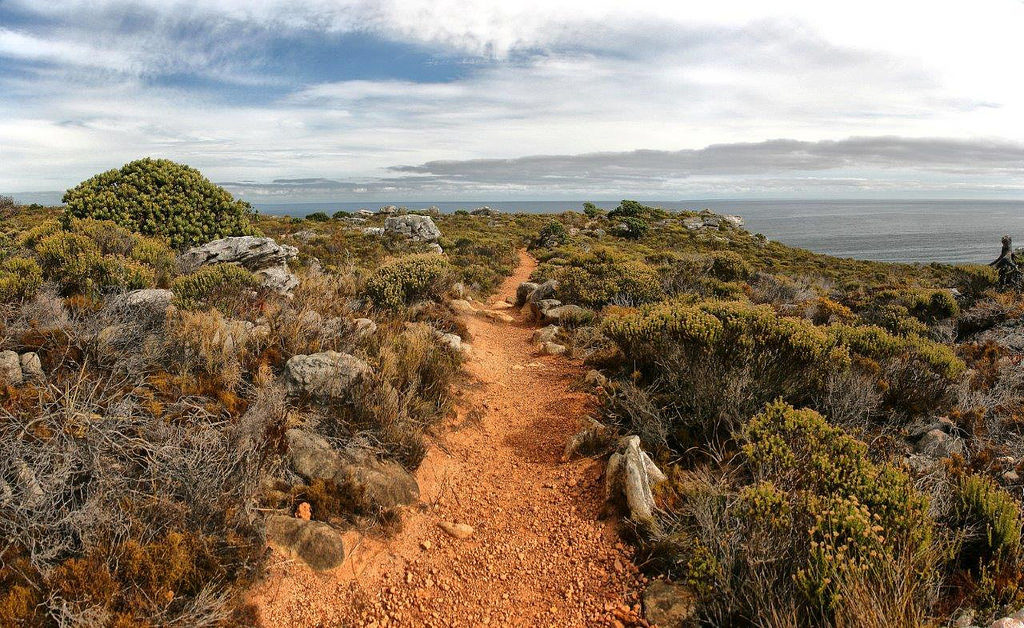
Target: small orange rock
point(304, 511)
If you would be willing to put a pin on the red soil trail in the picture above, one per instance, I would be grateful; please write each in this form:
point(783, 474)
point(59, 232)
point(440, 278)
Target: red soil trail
point(539, 554)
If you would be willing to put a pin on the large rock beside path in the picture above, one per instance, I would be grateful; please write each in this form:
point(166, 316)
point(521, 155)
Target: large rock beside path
point(314, 542)
point(669, 605)
point(414, 227)
point(629, 478)
point(373, 484)
point(324, 376)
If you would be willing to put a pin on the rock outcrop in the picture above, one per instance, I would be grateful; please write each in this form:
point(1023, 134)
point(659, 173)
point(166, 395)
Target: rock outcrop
point(940, 438)
point(315, 542)
point(10, 368)
point(372, 483)
point(263, 256)
point(251, 252)
point(417, 228)
point(524, 291)
point(149, 304)
point(324, 376)
point(565, 314)
point(669, 605)
point(31, 367)
point(629, 478)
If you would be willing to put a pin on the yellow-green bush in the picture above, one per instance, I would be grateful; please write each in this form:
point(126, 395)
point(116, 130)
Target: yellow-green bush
point(990, 511)
point(408, 279)
point(92, 256)
point(213, 285)
point(161, 197)
point(602, 277)
point(20, 277)
point(862, 517)
point(77, 265)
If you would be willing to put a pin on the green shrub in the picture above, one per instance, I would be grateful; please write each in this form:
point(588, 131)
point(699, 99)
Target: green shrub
point(31, 238)
point(160, 197)
point(108, 257)
point(318, 217)
point(340, 214)
point(992, 515)
point(631, 227)
point(19, 279)
point(552, 234)
point(602, 277)
point(863, 517)
point(591, 210)
point(729, 266)
point(213, 285)
point(633, 209)
point(72, 260)
point(973, 279)
point(408, 279)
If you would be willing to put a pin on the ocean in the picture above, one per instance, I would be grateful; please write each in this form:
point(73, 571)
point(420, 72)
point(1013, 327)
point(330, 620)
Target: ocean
point(892, 231)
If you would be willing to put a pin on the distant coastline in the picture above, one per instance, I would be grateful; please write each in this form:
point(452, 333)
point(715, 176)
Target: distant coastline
point(923, 231)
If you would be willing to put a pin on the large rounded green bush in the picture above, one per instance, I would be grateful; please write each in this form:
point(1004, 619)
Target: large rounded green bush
point(161, 198)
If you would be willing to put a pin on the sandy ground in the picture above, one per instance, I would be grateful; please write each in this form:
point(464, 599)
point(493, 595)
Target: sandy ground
point(539, 554)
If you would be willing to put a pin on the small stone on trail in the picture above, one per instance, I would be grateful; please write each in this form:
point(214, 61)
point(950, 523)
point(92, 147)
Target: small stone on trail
point(425, 545)
point(456, 530)
point(304, 511)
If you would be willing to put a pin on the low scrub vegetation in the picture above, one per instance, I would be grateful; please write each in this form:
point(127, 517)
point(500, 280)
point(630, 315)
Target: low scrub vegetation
point(757, 373)
point(137, 468)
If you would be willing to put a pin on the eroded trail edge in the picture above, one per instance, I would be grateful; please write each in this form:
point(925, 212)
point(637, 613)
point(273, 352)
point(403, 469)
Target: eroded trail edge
point(539, 554)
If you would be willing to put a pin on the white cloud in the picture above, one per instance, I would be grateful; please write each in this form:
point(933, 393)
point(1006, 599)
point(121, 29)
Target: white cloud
point(554, 78)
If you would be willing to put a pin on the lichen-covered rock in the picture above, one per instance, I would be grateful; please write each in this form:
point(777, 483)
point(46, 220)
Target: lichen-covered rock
point(31, 367)
point(669, 605)
point(371, 483)
point(148, 303)
point(732, 221)
point(940, 444)
point(546, 334)
point(327, 375)
point(315, 542)
point(363, 328)
point(535, 310)
point(382, 485)
point(251, 252)
point(485, 211)
point(629, 478)
point(566, 315)
point(552, 348)
point(10, 368)
point(418, 228)
point(311, 457)
point(278, 279)
point(542, 291)
point(592, 439)
point(523, 292)
point(462, 306)
point(452, 341)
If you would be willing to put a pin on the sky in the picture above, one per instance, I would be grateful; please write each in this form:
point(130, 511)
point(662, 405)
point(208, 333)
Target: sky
point(320, 100)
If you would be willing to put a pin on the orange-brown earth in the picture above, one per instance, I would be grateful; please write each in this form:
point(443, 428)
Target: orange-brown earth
point(540, 554)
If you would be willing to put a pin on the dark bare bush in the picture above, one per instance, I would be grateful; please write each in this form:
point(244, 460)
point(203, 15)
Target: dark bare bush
point(780, 290)
point(117, 514)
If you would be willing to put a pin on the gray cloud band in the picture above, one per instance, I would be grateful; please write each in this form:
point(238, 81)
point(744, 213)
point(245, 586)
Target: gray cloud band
point(772, 159)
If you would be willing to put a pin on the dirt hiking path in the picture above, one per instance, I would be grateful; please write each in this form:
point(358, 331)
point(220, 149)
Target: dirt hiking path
point(538, 554)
